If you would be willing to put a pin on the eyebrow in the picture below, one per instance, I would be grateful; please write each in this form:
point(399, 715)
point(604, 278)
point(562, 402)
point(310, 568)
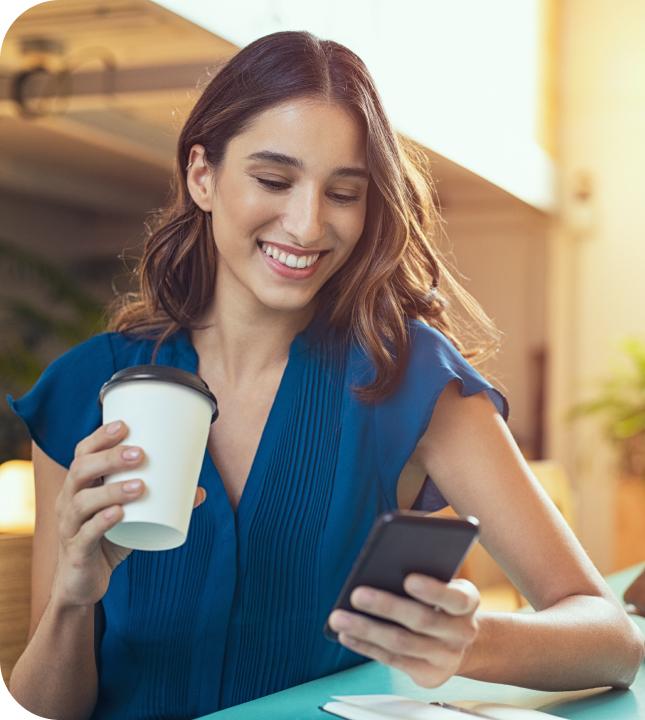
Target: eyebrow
point(280, 158)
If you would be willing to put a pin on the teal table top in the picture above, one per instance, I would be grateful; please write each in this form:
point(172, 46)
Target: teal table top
point(302, 702)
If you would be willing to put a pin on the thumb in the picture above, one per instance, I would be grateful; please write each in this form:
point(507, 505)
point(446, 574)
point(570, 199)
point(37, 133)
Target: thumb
point(200, 496)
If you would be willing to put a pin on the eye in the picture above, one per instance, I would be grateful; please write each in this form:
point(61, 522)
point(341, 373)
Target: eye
point(274, 186)
point(345, 199)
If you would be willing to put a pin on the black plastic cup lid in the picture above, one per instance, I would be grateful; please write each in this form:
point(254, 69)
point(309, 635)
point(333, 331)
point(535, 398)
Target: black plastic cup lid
point(163, 373)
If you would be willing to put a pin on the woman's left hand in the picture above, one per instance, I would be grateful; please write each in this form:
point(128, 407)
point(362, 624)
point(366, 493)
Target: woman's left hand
point(431, 645)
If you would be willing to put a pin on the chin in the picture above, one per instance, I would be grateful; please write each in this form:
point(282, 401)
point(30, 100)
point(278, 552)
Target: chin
point(285, 301)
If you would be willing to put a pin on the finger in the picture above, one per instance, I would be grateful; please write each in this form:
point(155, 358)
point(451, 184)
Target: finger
point(105, 436)
point(458, 597)
point(395, 639)
point(85, 469)
point(88, 501)
point(89, 536)
point(417, 616)
point(200, 496)
point(422, 672)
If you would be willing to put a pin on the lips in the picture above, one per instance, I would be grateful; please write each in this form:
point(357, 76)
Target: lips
point(291, 249)
point(296, 265)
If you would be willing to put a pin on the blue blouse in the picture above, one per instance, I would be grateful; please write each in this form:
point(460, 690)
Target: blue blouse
point(237, 612)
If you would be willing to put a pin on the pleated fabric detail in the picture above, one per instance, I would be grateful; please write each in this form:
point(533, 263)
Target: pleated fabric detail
point(270, 645)
point(167, 631)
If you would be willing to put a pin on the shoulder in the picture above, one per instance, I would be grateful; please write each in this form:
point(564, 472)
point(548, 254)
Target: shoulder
point(431, 352)
point(460, 420)
point(62, 406)
point(432, 364)
point(428, 347)
point(100, 353)
point(92, 354)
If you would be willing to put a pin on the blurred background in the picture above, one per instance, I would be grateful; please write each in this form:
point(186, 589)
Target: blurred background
point(531, 112)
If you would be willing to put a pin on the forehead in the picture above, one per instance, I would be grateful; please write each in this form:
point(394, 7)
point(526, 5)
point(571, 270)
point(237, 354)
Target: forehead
point(320, 133)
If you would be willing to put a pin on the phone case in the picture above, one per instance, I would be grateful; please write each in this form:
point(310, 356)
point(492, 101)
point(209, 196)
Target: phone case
point(402, 542)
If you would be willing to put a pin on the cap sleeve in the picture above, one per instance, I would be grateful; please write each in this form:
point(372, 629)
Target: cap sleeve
point(402, 419)
point(62, 407)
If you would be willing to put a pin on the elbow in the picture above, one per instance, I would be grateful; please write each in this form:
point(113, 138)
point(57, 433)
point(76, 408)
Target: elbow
point(36, 710)
point(11, 686)
point(633, 655)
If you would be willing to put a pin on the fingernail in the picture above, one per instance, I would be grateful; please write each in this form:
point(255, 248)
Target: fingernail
point(365, 596)
point(131, 454)
point(415, 584)
point(132, 485)
point(113, 428)
point(342, 621)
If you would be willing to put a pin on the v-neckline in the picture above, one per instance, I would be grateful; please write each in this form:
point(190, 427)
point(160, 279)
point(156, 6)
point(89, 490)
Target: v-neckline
point(282, 401)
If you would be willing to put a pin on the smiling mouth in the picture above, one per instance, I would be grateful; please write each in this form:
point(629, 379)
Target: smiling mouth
point(298, 262)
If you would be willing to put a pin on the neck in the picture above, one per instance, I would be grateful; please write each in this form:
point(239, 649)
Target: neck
point(244, 341)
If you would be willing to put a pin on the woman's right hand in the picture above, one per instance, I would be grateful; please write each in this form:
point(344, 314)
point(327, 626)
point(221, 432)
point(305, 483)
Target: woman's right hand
point(86, 558)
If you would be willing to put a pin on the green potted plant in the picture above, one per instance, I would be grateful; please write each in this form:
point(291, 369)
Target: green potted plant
point(621, 402)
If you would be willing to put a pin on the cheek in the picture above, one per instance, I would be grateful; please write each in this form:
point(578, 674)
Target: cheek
point(256, 206)
point(247, 207)
point(352, 229)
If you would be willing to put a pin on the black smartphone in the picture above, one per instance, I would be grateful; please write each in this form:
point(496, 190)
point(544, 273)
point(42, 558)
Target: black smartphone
point(403, 542)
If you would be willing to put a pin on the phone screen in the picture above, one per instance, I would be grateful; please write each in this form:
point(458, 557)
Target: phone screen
point(403, 542)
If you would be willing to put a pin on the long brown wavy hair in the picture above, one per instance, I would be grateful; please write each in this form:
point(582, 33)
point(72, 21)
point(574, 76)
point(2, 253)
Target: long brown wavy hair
point(395, 271)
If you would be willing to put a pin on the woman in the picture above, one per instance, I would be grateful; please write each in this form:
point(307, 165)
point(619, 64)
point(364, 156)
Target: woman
point(295, 270)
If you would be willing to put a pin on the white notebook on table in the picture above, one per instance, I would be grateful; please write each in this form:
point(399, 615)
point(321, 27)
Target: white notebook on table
point(387, 707)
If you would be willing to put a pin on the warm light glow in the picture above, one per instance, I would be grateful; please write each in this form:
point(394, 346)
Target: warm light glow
point(17, 497)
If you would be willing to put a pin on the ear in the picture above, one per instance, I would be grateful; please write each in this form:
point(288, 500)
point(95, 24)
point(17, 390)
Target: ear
point(199, 178)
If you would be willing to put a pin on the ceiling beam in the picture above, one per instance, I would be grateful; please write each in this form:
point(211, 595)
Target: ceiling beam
point(132, 86)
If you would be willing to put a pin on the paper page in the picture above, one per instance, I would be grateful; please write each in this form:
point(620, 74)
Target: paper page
point(382, 707)
point(509, 712)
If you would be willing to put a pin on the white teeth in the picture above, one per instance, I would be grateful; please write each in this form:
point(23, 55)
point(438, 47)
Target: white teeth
point(290, 260)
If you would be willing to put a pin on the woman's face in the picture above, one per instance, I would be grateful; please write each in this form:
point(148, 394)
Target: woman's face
point(287, 202)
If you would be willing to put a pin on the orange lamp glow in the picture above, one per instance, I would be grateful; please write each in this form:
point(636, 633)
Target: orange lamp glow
point(17, 497)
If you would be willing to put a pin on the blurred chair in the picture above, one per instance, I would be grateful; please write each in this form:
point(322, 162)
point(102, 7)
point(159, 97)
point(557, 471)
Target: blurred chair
point(15, 598)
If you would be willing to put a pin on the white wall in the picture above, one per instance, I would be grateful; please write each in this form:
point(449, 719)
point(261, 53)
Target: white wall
point(597, 294)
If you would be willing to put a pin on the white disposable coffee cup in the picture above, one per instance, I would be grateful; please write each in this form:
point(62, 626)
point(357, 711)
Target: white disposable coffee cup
point(169, 413)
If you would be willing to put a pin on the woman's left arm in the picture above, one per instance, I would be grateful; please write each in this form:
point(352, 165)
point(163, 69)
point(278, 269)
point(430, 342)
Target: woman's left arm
point(579, 636)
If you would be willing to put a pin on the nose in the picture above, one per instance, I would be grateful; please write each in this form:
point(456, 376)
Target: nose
point(304, 217)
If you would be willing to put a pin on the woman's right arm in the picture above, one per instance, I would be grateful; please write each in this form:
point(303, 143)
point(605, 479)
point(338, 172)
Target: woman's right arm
point(72, 563)
point(56, 675)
